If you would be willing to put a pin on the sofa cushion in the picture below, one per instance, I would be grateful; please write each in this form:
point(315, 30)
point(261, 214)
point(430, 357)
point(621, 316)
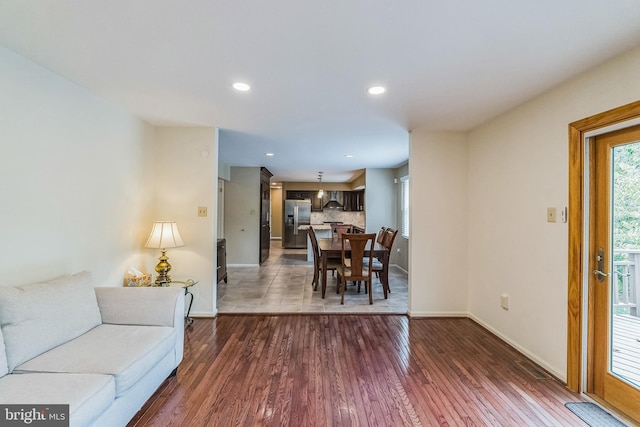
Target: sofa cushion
point(124, 351)
point(4, 369)
point(37, 317)
point(88, 395)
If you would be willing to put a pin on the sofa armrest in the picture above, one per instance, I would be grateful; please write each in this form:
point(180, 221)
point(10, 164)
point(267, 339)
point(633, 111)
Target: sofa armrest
point(152, 306)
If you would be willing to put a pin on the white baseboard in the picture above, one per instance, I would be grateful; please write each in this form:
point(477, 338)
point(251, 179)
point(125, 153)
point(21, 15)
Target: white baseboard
point(204, 313)
point(425, 314)
point(397, 266)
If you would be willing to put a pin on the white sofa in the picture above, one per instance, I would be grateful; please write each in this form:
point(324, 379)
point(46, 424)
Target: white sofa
point(103, 351)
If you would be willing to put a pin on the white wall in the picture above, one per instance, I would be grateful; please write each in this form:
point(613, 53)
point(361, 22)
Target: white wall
point(438, 224)
point(242, 216)
point(75, 179)
point(186, 177)
point(518, 166)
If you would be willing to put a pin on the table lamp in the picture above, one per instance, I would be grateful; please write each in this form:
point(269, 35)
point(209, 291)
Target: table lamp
point(164, 234)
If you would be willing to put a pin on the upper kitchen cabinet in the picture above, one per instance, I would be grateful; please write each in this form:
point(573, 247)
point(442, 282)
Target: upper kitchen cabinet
point(316, 202)
point(353, 201)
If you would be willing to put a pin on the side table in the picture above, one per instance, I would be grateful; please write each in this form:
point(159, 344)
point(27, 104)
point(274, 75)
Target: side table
point(186, 285)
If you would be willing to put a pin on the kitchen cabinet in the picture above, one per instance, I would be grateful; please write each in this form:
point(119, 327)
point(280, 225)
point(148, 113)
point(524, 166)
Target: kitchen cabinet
point(298, 195)
point(357, 230)
point(265, 213)
point(316, 202)
point(221, 273)
point(353, 201)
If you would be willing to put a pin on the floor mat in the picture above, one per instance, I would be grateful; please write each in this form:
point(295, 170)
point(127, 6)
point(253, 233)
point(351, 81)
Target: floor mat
point(593, 415)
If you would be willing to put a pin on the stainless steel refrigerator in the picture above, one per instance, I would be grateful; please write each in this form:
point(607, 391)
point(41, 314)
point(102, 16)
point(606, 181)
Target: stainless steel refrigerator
point(296, 213)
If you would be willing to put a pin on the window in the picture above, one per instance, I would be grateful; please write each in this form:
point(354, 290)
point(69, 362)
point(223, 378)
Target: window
point(404, 206)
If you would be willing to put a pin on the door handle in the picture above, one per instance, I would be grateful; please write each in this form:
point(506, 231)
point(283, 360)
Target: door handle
point(600, 274)
point(600, 260)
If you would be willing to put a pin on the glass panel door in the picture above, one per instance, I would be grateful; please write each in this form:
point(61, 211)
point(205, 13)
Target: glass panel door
point(614, 249)
point(624, 345)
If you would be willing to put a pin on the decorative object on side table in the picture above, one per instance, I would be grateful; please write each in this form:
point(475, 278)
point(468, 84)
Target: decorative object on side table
point(186, 284)
point(164, 234)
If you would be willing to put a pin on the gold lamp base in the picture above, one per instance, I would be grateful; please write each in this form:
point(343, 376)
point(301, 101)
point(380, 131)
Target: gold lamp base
point(163, 269)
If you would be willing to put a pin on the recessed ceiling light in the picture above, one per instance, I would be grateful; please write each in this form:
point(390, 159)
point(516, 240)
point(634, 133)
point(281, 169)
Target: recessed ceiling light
point(376, 90)
point(348, 156)
point(242, 87)
point(269, 154)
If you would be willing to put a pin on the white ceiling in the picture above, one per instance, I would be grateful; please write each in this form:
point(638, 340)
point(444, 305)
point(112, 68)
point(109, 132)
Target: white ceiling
point(447, 65)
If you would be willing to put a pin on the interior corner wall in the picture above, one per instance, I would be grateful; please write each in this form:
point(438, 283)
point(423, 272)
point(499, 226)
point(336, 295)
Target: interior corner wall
point(242, 216)
point(75, 179)
point(186, 177)
point(380, 199)
point(401, 259)
point(438, 224)
point(518, 167)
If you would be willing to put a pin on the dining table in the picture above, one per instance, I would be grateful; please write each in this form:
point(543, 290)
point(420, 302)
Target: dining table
point(332, 248)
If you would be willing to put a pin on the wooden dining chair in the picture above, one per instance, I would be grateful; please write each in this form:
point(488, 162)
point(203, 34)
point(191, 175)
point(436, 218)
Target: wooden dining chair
point(340, 229)
point(355, 266)
point(388, 238)
point(332, 264)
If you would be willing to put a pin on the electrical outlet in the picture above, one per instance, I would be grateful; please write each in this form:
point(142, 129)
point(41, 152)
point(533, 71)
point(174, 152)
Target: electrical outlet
point(202, 211)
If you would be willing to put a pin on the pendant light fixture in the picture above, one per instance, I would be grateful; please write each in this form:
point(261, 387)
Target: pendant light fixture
point(320, 191)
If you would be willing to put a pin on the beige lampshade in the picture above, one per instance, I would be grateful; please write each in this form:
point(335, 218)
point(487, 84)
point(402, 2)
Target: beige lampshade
point(164, 234)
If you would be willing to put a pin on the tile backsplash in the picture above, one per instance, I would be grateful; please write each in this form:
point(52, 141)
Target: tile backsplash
point(354, 218)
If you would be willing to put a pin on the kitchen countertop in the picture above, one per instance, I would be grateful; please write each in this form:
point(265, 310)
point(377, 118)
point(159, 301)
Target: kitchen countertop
point(316, 227)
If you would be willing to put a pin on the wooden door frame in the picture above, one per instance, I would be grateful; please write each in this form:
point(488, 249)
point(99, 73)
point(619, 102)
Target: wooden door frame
point(578, 169)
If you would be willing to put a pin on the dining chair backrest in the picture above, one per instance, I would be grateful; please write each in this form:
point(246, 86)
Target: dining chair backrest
point(381, 234)
point(359, 264)
point(389, 237)
point(316, 257)
point(340, 229)
point(314, 245)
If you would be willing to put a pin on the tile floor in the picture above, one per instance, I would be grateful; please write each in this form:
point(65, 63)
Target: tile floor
point(283, 285)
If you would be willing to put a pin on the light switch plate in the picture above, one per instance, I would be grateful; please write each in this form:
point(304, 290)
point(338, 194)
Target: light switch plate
point(552, 215)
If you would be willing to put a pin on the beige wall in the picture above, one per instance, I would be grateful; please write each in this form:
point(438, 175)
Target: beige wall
point(185, 178)
point(276, 213)
point(517, 167)
point(522, 157)
point(438, 224)
point(75, 178)
point(242, 216)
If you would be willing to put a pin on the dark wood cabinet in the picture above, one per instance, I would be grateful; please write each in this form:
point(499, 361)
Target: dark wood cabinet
point(298, 195)
point(357, 230)
point(265, 213)
point(316, 202)
point(353, 201)
point(221, 273)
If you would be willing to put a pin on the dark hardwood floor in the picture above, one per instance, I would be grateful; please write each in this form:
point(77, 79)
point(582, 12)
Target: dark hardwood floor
point(353, 370)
